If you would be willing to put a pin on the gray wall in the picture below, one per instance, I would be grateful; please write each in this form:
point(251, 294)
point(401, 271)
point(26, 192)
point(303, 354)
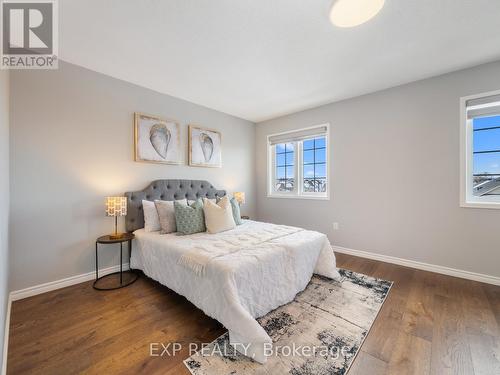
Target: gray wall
point(72, 145)
point(395, 175)
point(4, 201)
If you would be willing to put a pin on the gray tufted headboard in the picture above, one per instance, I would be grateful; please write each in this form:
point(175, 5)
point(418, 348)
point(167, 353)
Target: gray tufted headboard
point(167, 190)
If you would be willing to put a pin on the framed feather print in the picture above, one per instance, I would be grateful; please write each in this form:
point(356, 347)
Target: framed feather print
point(204, 147)
point(157, 140)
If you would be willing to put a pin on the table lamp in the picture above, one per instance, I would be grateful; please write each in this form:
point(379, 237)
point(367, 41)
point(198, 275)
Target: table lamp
point(116, 206)
point(240, 197)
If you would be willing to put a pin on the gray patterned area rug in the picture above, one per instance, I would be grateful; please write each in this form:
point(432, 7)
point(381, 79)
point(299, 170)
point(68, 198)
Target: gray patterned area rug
point(318, 333)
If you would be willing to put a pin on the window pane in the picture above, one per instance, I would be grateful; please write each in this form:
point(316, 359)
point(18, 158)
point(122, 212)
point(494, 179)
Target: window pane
point(486, 168)
point(308, 185)
point(308, 178)
point(486, 162)
point(284, 179)
point(309, 157)
point(309, 171)
point(284, 184)
point(320, 170)
point(487, 140)
point(321, 155)
point(320, 185)
point(280, 172)
point(309, 144)
point(281, 184)
point(280, 160)
point(320, 142)
point(486, 122)
point(314, 165)
point(280, 147)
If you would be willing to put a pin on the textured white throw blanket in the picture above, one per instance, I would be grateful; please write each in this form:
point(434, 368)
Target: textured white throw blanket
point(230, 242)
point(238, 275)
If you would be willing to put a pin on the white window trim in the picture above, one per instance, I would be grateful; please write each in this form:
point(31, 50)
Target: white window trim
point(467, 199)
point(297, 193)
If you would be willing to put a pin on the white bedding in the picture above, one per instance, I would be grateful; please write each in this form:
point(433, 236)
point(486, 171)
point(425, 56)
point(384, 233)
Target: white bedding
point(242, 284)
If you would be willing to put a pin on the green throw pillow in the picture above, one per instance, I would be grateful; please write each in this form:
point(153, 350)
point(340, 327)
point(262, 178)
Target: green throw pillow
point(236, 211)
point(190, 219)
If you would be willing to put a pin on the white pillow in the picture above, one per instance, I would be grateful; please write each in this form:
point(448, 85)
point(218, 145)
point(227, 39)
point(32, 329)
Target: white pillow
point(151, 219)
point(166, 213)
point(218, 216)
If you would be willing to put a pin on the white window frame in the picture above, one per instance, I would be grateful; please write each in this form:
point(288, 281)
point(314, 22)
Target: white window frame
point(298, 192)
point(467, 199)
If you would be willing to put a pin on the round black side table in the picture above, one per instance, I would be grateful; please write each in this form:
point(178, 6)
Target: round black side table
point(127, 237)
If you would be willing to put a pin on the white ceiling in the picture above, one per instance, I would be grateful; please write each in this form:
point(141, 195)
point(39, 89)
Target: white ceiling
point(259, 59)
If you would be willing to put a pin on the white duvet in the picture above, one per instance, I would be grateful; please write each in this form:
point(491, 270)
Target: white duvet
point(238, 283)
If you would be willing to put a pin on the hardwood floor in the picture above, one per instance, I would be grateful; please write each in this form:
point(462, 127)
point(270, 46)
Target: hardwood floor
point(430, 324)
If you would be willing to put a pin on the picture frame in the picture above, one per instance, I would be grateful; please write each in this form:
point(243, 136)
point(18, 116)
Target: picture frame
point(205, 147)
point(157, 140)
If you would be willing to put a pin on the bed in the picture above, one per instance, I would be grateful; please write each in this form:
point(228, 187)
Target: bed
point(234, 276)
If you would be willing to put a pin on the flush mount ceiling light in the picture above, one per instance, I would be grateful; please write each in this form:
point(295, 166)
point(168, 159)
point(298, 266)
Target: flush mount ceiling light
point(350, 13)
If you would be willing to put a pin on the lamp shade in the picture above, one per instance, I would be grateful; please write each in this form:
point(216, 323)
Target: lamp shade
point(239, 196)
point(116, 206)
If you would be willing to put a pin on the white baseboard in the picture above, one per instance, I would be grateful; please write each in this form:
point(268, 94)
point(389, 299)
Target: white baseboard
point(495, 280)
point(6, 337)
point(58, 284)
point(43, 288)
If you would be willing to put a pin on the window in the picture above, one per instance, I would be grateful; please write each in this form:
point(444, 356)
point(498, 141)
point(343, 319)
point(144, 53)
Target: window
point(480, 166)
point(298, 163)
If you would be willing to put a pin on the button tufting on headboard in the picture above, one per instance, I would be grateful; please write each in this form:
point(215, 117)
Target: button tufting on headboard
point(165, 190)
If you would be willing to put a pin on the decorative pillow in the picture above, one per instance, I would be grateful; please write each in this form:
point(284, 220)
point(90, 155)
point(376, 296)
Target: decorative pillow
point(218, 216)
point(166, 215)
point(190, 219)
point(190, 201)
point(236, 211)
point(151, 219)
